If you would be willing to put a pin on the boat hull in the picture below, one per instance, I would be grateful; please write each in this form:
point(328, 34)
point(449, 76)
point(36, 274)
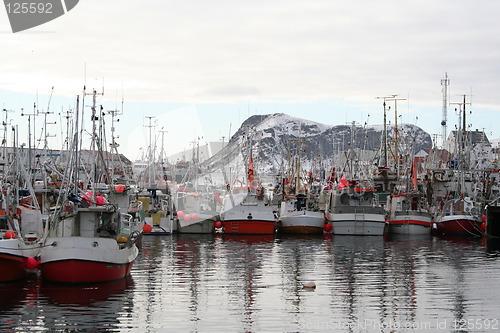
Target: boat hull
point(302, 222)
point(352, 224)
point(249, 227)
point(84, 271)
point(203, 225)
point(411, 224)
point(459, 225)
point(249, 219)
point(13, 256)
point(85, 260)
point(12, 267)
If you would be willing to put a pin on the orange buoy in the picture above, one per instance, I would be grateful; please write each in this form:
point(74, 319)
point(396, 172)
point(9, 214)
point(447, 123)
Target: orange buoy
point(9, 234)
point(122, 239)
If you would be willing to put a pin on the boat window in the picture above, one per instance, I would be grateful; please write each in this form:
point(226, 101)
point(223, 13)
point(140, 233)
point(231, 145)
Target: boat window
point(344, 199)
point(3, 224)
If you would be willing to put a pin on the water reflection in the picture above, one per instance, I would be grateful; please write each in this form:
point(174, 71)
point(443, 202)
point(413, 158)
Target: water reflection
point(77, 307)
point(191, 253)
point(244, 258)
point(247, 283)
point(300, 259)
point(14, 294)
point(42, 306)
point(358, 277)
point(85, 295)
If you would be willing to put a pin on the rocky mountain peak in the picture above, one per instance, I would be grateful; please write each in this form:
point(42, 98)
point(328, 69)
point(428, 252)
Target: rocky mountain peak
point(273, 138)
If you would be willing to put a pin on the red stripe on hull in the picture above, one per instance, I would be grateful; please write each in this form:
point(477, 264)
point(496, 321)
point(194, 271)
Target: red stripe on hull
point(417, 222)
point(12, 268)
point(251, 227)
point(81, 271)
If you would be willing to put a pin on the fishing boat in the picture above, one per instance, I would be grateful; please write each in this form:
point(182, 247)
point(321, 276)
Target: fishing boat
point(21, 225)
point(88, 239)
point(352, 209)
point(19, 244)
point(296, 219)
point(302, 210)
point(459, 217)
point(87, 245)
point(194, 201)
point(154, 193)
point(244, 212)
point(457, 213)
point(352, 206)
point(408, 210)
point(246, 209)
point(195, 211)
point(408, 216)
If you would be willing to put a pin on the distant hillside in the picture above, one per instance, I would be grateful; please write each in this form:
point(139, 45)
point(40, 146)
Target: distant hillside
point(275, 137)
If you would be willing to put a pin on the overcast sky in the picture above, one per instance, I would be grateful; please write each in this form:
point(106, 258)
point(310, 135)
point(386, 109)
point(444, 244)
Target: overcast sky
point(202, 67)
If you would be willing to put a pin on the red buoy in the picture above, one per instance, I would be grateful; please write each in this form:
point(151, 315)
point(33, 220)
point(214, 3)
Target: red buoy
point(328, 228)
point(218, 224)
point(32, 263)
point(180, 214)
point(483, 226)
point(120, 188)
point(100, 200)
point(147, 228)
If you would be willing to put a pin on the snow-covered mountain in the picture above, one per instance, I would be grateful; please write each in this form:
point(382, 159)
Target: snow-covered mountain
point(274, 138)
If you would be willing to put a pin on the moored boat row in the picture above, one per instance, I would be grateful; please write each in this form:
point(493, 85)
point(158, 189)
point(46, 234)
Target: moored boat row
point(77, 224)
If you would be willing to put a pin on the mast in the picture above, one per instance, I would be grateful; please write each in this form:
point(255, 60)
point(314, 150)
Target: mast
point(6, 123)
point(163, 158)
point(251, 167)
point(461, 144)
point(384, 135)
point(444, 130)
point(151, 174)
point(34, 114)
point(76, 142)
point(351, 158)
point(396, 131)
point(464, 127)
point(114, 145)
point(94, 143)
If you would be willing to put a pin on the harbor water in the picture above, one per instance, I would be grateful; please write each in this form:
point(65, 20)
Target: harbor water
point(214, 283)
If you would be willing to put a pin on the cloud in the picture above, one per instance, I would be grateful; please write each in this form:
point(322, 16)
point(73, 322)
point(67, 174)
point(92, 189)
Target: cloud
point(192, 52)
point(222, 51)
